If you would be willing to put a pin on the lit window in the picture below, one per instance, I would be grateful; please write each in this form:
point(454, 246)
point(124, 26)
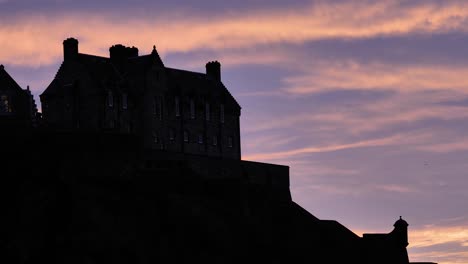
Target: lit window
point(207, 112)
point(221, 113)
point(124, 101)
point(192, 109)
point(230, 142)
point(186, 136)
point(110, 99)
point(5, 105)
point(200, 139)
point(177, 106)
point(215, 140)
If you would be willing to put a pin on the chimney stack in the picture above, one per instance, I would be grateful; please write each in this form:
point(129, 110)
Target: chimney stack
point(120, 53)
point(213, 70)
point(70, 49)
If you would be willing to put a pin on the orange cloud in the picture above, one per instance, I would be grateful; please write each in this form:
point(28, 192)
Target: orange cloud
point(34, 40)
point(423, 239)
point(438, 235)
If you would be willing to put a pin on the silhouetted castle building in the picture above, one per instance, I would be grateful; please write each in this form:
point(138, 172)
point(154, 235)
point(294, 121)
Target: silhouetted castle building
point(17, 106)
point(171, 109)
point(135, 162)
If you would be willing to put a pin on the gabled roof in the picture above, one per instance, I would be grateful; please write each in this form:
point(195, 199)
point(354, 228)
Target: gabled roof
point(195, 81)
point(7, 82)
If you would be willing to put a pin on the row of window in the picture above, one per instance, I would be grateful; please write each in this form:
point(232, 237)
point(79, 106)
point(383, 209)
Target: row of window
point(157, 109)
point(200, 138)
point(110, 100)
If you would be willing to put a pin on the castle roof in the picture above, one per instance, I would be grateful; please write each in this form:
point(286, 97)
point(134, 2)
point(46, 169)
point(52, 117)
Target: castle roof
point(132, 71)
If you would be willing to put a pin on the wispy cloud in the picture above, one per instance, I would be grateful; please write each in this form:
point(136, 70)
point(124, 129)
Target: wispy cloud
point(444, 244)
point(34, 40)
point(446, 147)
point(385, 141)
point(378, 76)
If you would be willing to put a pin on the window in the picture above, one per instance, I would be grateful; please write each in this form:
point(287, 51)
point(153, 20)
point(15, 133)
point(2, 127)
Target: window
point(110, 99)
point(177, 106)
point(186, 136)
point(5, 105)
point(200, 139)
point(155, 138)
point(157, 107)
point(192, 109)
point(124, 101)
point(230, 142)
point(221, 113)
point(215, 140)
point(171, 134)
point(207, 112)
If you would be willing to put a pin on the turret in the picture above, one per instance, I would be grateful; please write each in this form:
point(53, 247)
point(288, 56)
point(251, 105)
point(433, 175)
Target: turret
point(213, 70)
point(70, 49)
point(400, 233)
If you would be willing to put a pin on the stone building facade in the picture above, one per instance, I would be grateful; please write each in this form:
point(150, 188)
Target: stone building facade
point(169, 109)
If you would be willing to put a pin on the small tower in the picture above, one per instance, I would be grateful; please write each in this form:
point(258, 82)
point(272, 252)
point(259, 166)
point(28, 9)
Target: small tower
point(400, 233)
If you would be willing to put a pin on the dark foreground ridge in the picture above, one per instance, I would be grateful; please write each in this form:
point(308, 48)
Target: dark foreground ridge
point(134, 162)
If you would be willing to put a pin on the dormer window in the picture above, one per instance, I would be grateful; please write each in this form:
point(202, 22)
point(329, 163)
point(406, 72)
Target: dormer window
point(5, 105)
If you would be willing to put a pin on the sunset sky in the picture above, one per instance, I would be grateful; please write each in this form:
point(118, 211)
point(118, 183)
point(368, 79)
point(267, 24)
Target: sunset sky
point(366, 101)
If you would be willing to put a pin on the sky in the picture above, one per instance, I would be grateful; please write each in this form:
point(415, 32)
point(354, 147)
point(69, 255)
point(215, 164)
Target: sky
point(366, 101)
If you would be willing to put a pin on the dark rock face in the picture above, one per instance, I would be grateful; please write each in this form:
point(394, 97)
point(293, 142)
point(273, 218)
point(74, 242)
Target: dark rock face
point(95, 198)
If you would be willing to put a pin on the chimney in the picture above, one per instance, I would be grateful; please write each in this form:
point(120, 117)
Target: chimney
point(70, 49)
point(119, 52)
point(213, 70)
